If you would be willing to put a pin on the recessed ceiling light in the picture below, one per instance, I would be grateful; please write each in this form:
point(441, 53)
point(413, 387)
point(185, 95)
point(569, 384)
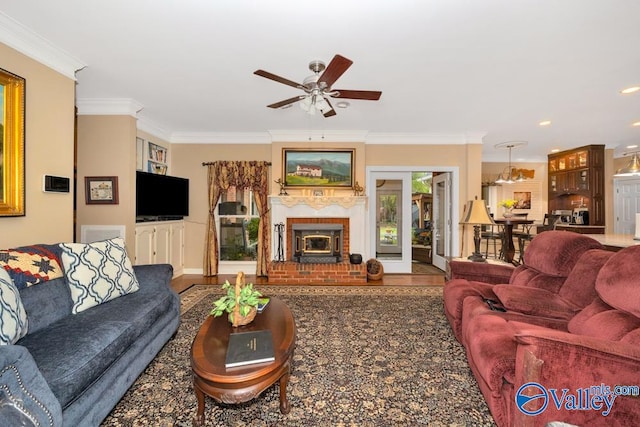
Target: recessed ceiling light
point(630, 147)
point(635, 124)
point(545, 123)
point(630, 90)
point(342, 104)
point(555, 150)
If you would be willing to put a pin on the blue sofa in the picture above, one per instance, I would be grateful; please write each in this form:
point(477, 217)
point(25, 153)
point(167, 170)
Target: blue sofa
point(72, 369)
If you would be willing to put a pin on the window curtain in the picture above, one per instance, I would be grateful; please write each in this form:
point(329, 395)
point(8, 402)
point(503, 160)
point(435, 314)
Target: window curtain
point(242, 174)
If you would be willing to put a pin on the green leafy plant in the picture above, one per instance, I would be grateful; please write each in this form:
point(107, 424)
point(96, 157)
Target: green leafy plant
point(252, 229)
point(249, 298)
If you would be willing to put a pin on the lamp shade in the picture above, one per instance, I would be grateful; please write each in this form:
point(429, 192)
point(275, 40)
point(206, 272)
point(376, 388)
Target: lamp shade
point(476, 212)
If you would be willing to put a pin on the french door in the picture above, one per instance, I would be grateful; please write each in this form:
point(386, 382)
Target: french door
point(389, 220)
point(442, 224)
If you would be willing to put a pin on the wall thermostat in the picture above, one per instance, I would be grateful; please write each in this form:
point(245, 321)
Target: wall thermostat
point(55, 184)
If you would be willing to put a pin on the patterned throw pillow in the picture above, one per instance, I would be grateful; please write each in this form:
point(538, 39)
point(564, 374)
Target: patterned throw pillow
point(97, 272)
point(31, 265)
point(13, 317)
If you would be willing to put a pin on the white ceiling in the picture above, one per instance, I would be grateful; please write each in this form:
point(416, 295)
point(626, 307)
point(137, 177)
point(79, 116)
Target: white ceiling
point(447, 69)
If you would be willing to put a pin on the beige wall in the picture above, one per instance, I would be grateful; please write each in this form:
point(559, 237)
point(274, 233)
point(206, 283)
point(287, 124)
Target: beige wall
point(106, 147)
point(187, 159)
point(49, 137)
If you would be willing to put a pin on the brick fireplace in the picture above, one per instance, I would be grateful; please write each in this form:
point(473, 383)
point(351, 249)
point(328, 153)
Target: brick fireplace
point(309, 211)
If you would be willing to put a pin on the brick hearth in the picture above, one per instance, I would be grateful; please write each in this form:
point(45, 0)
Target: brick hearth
point(291, 272)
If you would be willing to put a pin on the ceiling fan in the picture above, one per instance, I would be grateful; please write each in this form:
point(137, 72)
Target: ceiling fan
point(318, 87)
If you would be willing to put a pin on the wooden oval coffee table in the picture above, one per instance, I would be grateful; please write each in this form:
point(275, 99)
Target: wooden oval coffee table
point(241, 384)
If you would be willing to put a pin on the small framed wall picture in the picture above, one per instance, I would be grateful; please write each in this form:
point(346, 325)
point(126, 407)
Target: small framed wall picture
point(101, 190)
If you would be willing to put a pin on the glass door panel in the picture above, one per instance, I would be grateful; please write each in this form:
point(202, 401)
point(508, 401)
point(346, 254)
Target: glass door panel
point(442, 231)
point(389, 218)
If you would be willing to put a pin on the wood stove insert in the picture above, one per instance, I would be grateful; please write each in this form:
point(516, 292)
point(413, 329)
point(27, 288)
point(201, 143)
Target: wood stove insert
point(317, 243)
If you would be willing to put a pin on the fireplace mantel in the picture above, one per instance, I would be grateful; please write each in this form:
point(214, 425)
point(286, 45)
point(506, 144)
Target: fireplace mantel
point(352, 207)
point(319, 202)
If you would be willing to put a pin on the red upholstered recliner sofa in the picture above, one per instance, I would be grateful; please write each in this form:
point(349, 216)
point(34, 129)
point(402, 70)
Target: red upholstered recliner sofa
point(549, 259)
point(570, 361)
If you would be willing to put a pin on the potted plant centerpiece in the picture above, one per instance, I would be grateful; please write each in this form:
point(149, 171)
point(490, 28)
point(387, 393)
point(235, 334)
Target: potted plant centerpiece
point(508, 205)
point(241, 302)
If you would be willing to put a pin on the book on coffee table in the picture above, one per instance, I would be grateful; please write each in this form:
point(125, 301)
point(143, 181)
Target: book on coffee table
point(246, 348)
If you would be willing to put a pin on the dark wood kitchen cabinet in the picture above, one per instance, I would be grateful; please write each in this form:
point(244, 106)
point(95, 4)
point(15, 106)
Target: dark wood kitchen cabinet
point(576, 179)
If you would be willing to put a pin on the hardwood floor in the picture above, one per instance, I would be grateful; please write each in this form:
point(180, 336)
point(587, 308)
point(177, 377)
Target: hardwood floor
point(181, 283)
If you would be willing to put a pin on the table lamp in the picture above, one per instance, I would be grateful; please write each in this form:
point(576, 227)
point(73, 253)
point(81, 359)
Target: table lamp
point(476, 214)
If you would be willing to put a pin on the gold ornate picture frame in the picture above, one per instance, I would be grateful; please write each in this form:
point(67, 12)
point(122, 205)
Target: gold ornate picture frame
point(12, 124)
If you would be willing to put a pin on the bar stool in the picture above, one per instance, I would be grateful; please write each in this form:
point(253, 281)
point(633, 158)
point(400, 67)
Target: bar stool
point(526, 235)
point(492, 233)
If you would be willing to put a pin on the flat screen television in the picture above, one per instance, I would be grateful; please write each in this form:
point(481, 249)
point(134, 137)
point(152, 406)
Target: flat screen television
point(161, 197)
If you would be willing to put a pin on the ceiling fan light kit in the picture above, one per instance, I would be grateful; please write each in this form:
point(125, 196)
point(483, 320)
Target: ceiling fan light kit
point(318, 87)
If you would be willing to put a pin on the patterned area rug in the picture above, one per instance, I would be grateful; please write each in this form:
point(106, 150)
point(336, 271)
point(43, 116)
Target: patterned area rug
point(365, 356)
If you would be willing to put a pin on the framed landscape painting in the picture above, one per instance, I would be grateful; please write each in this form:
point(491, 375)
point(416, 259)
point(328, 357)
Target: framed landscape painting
point(12, 122)
point(317, 168)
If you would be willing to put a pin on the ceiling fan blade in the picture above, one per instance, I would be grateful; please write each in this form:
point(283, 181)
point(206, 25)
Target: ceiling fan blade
point(358, 94)
point(338, 65)
point(331, 112)
point(275, 78)
point(285, 102)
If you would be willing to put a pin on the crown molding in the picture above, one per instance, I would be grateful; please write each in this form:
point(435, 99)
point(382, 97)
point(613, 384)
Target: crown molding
point(415, 138)
point(498, 158)
point(27, 42)
point(220, 138)
point(283, 135)
point(152, 128)
point(126, 106)
point(108, 107)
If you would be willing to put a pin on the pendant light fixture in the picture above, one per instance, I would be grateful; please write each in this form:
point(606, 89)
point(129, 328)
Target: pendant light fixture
point(507, 177)
point(632, 169)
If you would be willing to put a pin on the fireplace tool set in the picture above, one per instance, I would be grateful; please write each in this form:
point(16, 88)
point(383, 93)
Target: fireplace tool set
point(280, 250)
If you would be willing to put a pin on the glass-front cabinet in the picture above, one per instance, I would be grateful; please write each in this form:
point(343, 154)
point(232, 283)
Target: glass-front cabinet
point(576, 181)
